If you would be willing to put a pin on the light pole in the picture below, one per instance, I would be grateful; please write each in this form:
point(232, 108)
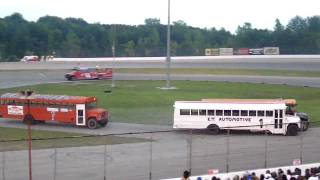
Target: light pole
point(113, 69)
point(168, 50)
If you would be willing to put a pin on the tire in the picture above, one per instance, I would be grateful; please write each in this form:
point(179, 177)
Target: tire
point(71, 78)
point(28, 119)
point(92, 123)
point(213, 129)
point(292, 130)
point(305, 125)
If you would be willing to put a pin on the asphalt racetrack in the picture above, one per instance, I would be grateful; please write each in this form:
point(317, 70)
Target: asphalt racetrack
point(170, 152)
point(31, 77)
point(280, 62)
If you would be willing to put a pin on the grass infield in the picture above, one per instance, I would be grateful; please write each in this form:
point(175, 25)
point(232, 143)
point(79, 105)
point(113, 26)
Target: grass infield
point(143, 102)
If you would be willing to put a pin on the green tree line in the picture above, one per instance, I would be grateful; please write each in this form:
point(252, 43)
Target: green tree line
point(74, 37)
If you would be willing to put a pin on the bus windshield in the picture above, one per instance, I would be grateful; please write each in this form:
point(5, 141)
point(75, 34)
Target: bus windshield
point(91, 105)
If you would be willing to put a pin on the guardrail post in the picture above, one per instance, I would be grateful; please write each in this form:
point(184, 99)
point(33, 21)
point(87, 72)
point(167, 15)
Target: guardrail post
point(265, 149)
point(190, 152)
point(3, 165)
point(301, 149)
point(105, 159)
point(150, 162)
point(228, 150)
point(55, 164)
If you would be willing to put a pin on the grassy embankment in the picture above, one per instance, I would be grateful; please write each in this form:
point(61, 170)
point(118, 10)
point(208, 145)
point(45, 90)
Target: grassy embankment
point(249, 72)
point(56, 139)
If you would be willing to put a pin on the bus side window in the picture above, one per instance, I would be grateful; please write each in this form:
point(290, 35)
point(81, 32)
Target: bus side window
point(184, 111)
point(202, 112)
point(12, 102)
point(252, 113)
point(219, 112)
point(260, 113)
point(227, 113)
point(244, 113)
point(269, 113)
point(194, 111)
point(235, 113)
point(211, 112)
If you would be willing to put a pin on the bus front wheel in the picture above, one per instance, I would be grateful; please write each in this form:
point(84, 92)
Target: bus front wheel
point(213, 129)
point(292, 130)
point(92, 123)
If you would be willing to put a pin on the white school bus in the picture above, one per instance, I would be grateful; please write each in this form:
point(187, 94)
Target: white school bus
point(267, 115)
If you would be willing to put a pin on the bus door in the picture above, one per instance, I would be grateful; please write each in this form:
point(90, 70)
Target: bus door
point(278, 121)
point(80, 114)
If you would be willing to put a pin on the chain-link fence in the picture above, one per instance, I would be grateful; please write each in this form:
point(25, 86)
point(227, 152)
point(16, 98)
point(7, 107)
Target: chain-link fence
point(154, 155)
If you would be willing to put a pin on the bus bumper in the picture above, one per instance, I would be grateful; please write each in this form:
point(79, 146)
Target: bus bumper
point(103, 122)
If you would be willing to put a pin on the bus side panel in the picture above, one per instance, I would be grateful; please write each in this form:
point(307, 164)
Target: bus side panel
point(66, 116)
point(5, 112)
point(53, 114)
point(188, 121)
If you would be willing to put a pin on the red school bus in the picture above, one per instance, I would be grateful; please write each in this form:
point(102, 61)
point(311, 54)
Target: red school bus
point(37, 108)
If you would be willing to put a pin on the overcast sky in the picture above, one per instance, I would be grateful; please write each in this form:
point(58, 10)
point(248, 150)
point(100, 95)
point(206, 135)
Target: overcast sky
point(198, 13)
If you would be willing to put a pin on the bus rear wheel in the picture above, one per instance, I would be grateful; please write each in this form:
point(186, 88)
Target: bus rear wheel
point(92, 123)
point(292, 130)
point(213, 129)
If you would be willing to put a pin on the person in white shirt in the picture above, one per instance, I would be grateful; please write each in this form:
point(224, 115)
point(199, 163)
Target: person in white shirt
point(313, 175)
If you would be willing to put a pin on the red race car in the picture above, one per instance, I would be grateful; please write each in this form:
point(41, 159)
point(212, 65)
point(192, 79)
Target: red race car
point(89, 73)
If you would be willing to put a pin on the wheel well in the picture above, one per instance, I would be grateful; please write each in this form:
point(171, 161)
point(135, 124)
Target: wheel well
point(92, 117)
point(292, 124)
point(211, 126)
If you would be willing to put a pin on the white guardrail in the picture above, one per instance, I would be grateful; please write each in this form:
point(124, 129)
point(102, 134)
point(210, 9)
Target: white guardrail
point(258, 172)
point(186, 58)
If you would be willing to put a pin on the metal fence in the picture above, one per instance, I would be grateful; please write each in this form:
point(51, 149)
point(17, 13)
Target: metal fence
point(156, 155)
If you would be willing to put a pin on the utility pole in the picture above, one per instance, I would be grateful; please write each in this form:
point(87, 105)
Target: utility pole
point(113, 69)
point(168, 60)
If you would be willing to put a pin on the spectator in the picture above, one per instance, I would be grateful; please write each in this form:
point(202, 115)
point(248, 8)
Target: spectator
point(268, 176)
point(199, 178)
point(261, 176)
point(236, 177)
point(314, 174)
point(280, 172)
point(274, 175)
point(254, 176)
point(297, 173)
point(293, 178)
point(214, 178)
point(283, 177)
point(289, 174)
point(186, 175)
point(307, 174)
